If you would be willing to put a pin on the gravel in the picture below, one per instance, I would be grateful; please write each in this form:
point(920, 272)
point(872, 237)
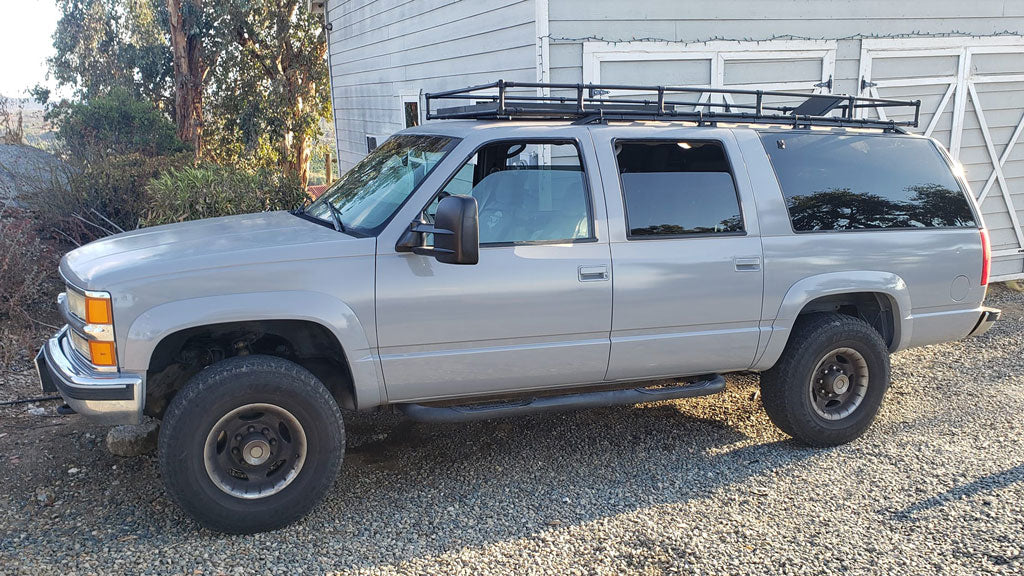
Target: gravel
point(703, 486)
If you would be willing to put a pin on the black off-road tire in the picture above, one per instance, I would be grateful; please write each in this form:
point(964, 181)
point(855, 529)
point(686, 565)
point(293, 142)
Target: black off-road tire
point(215, 393)
point(786, 388)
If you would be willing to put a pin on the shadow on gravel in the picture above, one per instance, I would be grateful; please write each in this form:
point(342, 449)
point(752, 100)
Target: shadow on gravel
point(422, 490)
point(988, 483)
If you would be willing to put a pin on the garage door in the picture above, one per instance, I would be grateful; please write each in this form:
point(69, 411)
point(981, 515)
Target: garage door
point(793, 65)
point(972, 94)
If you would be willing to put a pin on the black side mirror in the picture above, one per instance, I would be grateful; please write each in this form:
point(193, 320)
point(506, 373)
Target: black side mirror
point(456, 232)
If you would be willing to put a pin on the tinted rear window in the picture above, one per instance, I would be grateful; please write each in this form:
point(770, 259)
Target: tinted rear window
point(855, 182)
point(677, 188)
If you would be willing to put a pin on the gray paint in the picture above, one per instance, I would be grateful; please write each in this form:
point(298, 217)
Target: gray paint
point(413, 329)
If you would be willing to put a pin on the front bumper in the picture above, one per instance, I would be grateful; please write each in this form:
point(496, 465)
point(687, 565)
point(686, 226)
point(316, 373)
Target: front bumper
point(104, 397)
point(989, 316)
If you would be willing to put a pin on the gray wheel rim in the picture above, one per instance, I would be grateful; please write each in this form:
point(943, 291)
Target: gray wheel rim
point(839, 383)
point(255, 451)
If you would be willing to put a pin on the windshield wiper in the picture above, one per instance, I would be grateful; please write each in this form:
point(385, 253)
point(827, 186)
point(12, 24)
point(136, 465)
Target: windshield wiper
point(335, 217)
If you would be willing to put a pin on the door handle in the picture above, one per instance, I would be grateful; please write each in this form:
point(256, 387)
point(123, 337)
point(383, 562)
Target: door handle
point(593, 273)
point(747, 264)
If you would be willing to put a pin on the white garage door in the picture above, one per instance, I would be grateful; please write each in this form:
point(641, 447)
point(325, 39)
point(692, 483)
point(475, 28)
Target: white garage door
point(794, 65)
point(972, 94)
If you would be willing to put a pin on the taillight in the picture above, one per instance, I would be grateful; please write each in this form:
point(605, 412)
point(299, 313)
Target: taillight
point(986, 254)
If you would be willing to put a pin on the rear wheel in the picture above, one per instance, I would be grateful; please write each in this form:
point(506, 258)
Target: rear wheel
point(829, 383)
point(251, 444)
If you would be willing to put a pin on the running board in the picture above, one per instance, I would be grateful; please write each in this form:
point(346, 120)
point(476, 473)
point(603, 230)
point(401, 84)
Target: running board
point(422, 413)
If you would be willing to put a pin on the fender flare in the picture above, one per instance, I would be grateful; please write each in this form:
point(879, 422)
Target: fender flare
point(155, 324)
point(830, 284)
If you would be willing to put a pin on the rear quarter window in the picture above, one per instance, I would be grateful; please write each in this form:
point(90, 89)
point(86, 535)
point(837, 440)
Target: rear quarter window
point(861, 182)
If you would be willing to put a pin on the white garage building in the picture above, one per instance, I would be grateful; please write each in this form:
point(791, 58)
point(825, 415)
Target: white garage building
point(964, 60)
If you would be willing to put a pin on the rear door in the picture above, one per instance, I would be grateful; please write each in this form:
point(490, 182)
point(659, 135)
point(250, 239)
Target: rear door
point(685, 251)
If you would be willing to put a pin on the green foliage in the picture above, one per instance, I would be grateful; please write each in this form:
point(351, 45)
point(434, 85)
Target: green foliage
point(191, 193)
point(266, 92)
point(106, 44)
point(113, 124)
point(270, 89)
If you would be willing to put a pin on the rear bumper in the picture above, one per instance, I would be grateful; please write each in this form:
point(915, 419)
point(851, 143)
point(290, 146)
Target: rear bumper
point(104, 397)
point(989, 316)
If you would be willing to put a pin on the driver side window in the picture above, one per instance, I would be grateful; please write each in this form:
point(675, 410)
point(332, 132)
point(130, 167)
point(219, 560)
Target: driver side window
point(526, 192)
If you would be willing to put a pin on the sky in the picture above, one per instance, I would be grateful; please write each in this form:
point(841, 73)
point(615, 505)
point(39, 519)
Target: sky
point(26, 40)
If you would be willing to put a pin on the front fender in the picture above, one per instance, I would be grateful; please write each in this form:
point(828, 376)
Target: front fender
point(152, 326)
point(833, 283)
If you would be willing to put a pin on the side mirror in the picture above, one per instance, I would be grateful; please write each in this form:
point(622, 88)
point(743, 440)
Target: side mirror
point(456, 232)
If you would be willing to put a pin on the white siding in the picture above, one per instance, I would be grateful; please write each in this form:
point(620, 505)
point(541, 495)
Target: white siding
point(573, 21)
point(382, 49)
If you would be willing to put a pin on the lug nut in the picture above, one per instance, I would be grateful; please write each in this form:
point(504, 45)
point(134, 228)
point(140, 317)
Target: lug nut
point(234, 450)
point(238, 437)
point(273, 441)
point(251, 428)
point(266, 431)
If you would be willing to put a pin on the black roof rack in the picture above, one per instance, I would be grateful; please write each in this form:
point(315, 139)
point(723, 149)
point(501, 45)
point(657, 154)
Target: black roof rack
point(494, 102)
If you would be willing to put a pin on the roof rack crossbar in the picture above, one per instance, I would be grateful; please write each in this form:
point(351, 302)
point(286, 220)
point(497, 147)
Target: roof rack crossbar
point(588, 102)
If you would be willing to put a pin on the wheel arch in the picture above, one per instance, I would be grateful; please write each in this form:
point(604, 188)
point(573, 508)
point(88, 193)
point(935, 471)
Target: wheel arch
point(279, 314)
point(834, 291)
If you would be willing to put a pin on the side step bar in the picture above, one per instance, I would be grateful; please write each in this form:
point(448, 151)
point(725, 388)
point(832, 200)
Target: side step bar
point(422, 413)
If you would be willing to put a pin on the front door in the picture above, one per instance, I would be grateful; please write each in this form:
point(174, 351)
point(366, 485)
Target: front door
point(535, 312)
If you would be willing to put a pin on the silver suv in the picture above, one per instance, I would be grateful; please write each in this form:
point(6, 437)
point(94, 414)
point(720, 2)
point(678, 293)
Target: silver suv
point(540, 253)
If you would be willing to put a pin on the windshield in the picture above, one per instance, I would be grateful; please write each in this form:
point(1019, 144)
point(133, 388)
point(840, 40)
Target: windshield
point(368, 195)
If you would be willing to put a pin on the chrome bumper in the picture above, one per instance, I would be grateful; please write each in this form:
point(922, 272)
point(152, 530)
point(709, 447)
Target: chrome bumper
point(989, 316)
point(104, 397)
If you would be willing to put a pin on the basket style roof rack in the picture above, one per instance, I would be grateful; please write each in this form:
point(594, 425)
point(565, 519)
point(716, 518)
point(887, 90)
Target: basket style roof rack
point(494, 102)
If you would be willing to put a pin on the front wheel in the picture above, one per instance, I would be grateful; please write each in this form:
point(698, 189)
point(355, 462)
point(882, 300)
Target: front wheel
point(250, 444)
point(829, 383)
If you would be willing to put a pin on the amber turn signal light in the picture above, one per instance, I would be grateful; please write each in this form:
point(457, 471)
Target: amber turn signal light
point(102, 353)
point(97, 311)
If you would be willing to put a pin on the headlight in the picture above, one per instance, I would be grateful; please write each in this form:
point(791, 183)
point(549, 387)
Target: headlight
point(94, 307)
point(76, 302)
point(92, 335)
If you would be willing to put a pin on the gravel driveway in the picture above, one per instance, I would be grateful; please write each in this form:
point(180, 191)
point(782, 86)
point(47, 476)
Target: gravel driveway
point(703, 486)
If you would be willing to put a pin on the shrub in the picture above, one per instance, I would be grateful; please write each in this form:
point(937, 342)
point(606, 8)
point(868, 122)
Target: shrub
point(115, 124)
point(191, 193)
point(99, 197)
point(28, 283)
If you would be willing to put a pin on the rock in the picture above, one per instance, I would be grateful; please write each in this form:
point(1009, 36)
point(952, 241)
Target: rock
point(45, 497)
point(37, 411)
point(133, 440)
point(23, 167)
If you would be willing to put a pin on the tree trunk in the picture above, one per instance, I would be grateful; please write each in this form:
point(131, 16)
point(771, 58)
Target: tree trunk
point(297, 156)
point(189, 71)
